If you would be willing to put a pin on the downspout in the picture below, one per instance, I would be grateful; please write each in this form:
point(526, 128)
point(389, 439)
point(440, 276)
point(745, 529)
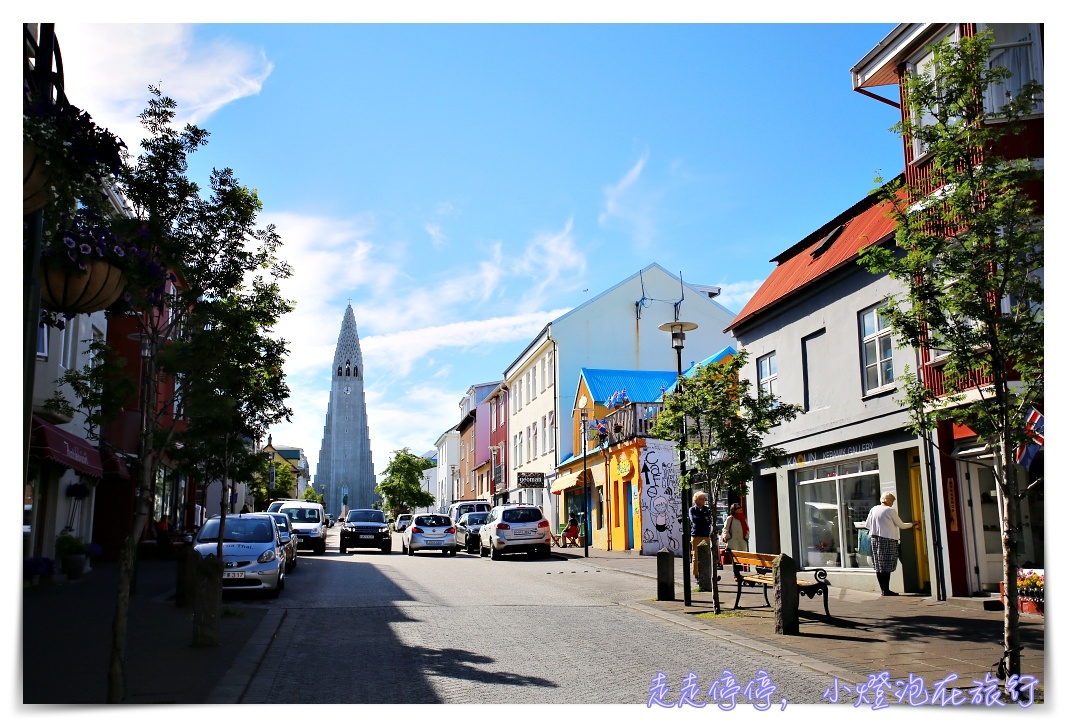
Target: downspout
point(932, 495)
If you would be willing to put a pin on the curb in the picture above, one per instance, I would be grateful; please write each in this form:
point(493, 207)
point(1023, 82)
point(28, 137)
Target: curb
point(231, 689)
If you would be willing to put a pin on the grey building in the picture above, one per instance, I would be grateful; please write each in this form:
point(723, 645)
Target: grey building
point(345, 474)
point(816, 338)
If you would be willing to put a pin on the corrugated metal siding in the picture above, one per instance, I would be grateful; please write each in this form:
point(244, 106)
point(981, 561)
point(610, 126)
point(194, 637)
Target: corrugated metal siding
point(795, 272)
point(641, 386)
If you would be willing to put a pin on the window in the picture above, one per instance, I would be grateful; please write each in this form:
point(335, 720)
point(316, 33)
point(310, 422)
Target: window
point(534, 438)
point(767, 374)
point(877, 350)
point(550, 434)
point(527, 400)
point(534, 382)
point(831, 500)
point(42, 342)
point(544, 435)
point(544, 378)
point(98, 338)
point(493, 416)
point(528, 443)
point(68, 356)
point(1016, 49)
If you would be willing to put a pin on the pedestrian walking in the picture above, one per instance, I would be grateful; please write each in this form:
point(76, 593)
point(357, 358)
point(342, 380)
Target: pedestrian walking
point(884, 526)
point(700, 527)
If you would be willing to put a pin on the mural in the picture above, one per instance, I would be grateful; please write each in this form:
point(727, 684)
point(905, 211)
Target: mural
point(660, 501)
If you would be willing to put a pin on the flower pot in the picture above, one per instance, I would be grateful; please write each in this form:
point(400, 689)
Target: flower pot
point(74, 565)
point(35, 190)
point(66, 291)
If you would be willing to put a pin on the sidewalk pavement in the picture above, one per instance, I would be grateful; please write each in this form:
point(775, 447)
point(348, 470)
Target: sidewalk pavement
point(67, 631)
point(66, 641)
point(866, 634)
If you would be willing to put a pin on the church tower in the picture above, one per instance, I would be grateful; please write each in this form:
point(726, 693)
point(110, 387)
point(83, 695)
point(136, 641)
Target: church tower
point(345, 474)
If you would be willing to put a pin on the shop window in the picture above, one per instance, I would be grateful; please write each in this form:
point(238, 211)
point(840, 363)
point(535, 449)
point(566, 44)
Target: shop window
point(832, 500)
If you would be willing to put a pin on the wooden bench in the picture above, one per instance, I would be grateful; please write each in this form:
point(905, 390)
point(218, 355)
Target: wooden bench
point(761, 575)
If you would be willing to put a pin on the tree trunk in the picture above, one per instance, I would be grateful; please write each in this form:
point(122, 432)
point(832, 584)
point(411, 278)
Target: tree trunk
point(1010, 510)
point(206, 602)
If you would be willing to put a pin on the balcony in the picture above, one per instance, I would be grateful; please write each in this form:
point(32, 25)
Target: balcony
point(631, 421)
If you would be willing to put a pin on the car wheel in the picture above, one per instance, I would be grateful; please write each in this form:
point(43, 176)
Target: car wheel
point(482, 551)
point(341, 549)
point(387, 548)
point(293, 566)
point(320, 548)
point(495, 555)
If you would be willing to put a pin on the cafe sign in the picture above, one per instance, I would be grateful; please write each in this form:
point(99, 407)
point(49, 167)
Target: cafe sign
point(530, 480)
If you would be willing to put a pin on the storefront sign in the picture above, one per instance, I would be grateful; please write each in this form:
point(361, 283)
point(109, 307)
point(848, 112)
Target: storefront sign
point(814, 456)
point(951, 503)
point(530, 480)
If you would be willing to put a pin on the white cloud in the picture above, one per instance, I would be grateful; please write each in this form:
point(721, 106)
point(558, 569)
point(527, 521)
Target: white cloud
point(734, 296)
point(549, 260)
point(108, 69)
point(437, 238)
point(627, 204)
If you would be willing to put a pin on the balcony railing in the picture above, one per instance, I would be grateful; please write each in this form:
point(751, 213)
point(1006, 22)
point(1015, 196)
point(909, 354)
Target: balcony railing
point(630, 421)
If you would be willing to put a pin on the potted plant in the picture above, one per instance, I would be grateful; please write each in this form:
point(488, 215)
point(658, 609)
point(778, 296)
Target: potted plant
point(66, 156)
point(1030, 591)
point(71, 553)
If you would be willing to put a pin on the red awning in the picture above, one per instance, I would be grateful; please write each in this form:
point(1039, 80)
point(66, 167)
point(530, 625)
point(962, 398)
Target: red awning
point(114, 466)
point(48, 441)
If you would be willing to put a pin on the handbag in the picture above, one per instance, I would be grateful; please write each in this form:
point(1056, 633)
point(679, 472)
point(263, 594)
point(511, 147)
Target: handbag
point(725, 557)
point(863, 542)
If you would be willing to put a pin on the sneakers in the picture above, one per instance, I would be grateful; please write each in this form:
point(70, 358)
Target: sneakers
point(890, 594)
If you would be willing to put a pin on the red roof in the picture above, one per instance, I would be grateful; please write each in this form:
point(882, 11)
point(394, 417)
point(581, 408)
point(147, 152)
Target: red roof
point(861, 225)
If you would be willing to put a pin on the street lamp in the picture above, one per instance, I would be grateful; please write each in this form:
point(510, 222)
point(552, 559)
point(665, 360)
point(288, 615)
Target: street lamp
point(678, 330)
point(586, 484)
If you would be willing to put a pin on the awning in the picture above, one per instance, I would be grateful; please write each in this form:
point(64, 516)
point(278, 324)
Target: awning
point(114, 466)
point(48, 441)
point(575, 480)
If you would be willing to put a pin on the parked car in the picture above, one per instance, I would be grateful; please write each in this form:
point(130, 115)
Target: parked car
point(289, 539)
point(330, 520)
point(365, 528)
point(309, 523)
point(515, 528)
point(253, 556)
point(467, 530)
point(459, 508)
point(402, 522)
point(429, 531)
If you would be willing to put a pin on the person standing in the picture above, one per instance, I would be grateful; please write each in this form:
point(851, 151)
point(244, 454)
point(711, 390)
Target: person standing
point(700, 527)
point(735, 530)
point(884, 526)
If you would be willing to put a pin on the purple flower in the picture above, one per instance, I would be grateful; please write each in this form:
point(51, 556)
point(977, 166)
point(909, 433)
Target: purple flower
point(69, 241)
point(119, 251)
point(85, 248)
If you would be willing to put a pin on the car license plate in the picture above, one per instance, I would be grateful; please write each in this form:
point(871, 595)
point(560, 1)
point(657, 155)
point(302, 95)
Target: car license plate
point(233, 575)
point(301, 539)
point(434, 543)
point(364, 535)
point(524, 532)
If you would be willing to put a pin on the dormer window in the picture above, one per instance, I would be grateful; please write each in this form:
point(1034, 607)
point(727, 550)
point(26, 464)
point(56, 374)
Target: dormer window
point(827, 242)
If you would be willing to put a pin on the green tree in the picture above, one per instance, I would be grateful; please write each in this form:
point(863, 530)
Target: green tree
point(310, 494)
point(969, 256)
point(285, 481)
point(402, 489)
point(720, 421)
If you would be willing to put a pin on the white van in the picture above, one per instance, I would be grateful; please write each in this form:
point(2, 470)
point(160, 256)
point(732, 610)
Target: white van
point(309, 522)
point(459, 508)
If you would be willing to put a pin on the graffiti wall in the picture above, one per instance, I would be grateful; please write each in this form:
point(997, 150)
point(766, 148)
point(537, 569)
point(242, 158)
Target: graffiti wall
point(661, 504)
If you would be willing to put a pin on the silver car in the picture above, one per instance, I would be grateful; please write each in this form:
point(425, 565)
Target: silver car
point(253, 555)
point(429, 531)
point(515, 527)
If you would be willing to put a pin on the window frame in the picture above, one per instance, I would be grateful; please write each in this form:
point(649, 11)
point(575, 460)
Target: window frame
point(768, 383)
point(877, 336)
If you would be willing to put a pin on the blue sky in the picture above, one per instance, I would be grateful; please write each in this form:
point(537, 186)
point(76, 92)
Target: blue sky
point(465, 184)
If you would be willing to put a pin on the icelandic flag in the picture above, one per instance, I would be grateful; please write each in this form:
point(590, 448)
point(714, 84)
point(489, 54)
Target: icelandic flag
point(1034, 426)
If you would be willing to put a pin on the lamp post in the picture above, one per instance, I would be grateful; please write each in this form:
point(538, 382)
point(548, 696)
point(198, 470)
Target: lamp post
point(586, 484)
point(678, 331)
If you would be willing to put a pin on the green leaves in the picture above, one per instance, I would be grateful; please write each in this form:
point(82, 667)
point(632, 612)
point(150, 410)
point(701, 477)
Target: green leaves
point(402, 488)
point(720, 421)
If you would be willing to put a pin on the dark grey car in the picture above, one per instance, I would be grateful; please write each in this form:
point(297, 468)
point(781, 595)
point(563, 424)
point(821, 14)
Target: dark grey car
point(467, 530)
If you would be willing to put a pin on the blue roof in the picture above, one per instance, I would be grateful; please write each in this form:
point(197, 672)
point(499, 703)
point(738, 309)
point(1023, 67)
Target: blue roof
point(641, 386)
point(714, 359)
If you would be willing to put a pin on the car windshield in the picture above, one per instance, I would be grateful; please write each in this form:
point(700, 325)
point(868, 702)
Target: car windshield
point(302, 515)
point(521, 515)
point(280, 519)
point(238, 530)
point(476, 519)
point(432, 521)
point(367, 516)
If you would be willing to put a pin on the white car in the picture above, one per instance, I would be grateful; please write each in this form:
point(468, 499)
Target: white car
point(515, 527)
point(309, 523)
point(253, 555)
point(429, 531)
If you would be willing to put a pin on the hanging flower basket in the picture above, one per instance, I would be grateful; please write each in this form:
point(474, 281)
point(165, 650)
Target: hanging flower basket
point(35, 192)
point(94, 289)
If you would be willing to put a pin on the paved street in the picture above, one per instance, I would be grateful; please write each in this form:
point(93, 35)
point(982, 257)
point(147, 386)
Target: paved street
point(391, 628)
